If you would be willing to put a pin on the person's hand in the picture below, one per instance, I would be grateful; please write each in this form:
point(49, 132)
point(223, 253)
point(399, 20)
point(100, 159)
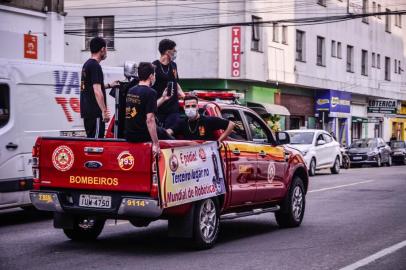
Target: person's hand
point(114, 84)
point(155, 149)
point(106, 116)
point(165, 96)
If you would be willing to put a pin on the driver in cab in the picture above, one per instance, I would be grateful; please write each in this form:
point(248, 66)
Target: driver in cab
point(200, 127)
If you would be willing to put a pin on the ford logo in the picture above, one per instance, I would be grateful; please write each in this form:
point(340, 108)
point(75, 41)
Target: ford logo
point(93, 164)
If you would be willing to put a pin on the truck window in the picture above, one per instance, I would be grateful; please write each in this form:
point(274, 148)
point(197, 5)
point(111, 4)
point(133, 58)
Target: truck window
point(4, 104)
point(258, 130)
point(239, 132)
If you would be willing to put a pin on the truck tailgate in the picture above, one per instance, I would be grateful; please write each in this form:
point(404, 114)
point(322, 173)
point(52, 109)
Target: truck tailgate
point(95, 165)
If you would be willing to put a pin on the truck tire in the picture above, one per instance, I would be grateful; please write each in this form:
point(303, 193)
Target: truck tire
point(85, 229)
point(206, 223)
point(336, 167)
point(293, 206)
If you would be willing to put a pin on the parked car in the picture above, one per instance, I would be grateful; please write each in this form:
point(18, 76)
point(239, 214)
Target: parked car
point(398, 151)
point(370, 151)
point(319, 149)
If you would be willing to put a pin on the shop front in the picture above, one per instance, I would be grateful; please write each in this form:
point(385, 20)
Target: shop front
point(301, 110)
point(399, 123)
point(381, 116)
point(333, 113)
point(359, 117)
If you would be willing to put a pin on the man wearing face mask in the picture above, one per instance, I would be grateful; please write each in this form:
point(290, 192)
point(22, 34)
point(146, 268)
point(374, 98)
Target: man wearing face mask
point(167, 75)
point(199, 127)
point(93, 106)
point(141, 108)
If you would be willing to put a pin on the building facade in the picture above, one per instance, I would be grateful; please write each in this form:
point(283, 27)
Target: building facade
point(350, 64)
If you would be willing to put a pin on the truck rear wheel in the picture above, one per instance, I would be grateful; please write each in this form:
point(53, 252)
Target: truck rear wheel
point(85, 229)
point(206, 224)
point(293, 206)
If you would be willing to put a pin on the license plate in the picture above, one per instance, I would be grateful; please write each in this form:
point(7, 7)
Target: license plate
point(95, 201)
point(357, 158)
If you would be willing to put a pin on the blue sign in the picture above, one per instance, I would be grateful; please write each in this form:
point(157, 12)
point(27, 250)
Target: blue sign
point(333, 101)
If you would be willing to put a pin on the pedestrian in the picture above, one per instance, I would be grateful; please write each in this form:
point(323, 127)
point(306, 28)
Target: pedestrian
point(93, 105)
point(199, 127)
point(141, 108)
point(167, 77)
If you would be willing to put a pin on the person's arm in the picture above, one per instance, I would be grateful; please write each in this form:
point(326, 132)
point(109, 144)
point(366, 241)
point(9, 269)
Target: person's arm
point(163, 98)
point(100, 101)
point(151, 125)
point(227, 132)
point(111, 85)
point(181, 94)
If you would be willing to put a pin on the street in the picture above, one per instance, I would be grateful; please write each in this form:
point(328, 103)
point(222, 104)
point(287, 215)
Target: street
point(349, 217)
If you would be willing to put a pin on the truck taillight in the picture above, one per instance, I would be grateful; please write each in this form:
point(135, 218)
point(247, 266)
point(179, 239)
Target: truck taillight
point(155, 177)
point(35, 164)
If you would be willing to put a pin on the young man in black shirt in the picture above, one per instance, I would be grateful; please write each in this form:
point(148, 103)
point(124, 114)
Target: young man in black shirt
point(141, 108)
point(199, 127)
point(167, 72)
point(93, 106)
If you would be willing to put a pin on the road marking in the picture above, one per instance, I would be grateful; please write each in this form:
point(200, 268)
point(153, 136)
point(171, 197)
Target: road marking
point(340, 186)
point(118, 223)
point(375, 256)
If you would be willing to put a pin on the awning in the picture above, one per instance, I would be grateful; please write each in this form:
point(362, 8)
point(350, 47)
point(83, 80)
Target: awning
point(264, 109)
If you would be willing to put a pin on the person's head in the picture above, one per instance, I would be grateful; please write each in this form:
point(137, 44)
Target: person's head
point(146, 72)
point(98, 47)
point(167, 47)
point(191, 106)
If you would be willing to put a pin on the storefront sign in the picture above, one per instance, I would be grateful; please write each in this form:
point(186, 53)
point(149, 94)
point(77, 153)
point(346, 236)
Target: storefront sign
point(190, 174)
point(384, 106)
point(30, 46)
point(333, 101)
point(236, 51)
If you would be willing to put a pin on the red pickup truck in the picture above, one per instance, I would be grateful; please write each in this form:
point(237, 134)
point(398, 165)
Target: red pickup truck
point(86, 181)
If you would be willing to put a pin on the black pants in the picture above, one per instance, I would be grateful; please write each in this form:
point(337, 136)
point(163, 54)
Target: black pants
point(94, 127)
point(161, 132)
point(168, 120)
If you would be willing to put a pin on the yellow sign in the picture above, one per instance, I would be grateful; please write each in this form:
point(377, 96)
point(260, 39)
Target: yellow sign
point(90, 180)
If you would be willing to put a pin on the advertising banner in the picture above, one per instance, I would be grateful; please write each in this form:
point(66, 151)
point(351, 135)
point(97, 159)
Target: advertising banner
point(235, 51)
point(384, 106)
point(190, 174)
point(333, 101)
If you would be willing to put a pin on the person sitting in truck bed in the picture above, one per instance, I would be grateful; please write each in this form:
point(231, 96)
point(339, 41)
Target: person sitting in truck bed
point(199, 127)
point(141, 108)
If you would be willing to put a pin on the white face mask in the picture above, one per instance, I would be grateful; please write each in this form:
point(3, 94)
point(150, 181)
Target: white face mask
point(191, 113)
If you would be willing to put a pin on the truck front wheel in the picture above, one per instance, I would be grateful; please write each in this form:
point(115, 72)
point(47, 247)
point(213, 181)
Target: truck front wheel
point(206, 223)
point(85, 229)
point(293, 206)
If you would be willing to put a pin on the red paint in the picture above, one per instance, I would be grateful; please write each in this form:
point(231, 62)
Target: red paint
point(236, 51)
point(30, 46)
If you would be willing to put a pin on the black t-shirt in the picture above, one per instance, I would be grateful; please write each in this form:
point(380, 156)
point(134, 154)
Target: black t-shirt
point(163, 75)
point(140, 101)
point(92, 73)
point(201, 129)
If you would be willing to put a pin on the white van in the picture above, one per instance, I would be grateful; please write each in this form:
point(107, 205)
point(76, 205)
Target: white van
point(36, 99)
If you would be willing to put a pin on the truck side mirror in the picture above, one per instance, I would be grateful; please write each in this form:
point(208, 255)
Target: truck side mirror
point(282, 137)
point(130, 69)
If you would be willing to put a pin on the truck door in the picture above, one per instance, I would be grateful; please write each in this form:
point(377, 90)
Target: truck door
point(241, 162)
point(271, 164)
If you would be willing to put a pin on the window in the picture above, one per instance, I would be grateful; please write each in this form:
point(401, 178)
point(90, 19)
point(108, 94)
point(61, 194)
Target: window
point(339, 55)
point(388, 22)
point(100, 27)
point(350, 58)
point(256, 34)
point(379, 10)
point(284, 34)
point(399, 68)
point(4, 104)
point(398, 20)
point(320, 51)
point(239, 132)
point(373, 60)
point(396, 65)
point(374, 7)
point(300, 45)
point(275, 33)
point(333, 48)
point(257, 128)
point(378, 60)
point(322, 2)
point(365, 10)
point(327, 138)
point(364, 62)
point(387, 68)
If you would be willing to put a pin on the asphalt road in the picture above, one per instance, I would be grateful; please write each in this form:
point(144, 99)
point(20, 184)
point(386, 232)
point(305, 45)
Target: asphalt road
point(348, 218)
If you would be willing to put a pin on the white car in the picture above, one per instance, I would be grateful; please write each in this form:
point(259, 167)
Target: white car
point(319, 149)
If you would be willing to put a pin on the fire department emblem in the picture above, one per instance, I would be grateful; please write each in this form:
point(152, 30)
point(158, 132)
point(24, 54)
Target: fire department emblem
point(173, 163)
point(271, 172)
point(63, 158)
point(125, 161)
point(202, 154)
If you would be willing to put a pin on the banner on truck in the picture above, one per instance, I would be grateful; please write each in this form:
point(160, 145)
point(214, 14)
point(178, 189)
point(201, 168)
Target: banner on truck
point(190, 174)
